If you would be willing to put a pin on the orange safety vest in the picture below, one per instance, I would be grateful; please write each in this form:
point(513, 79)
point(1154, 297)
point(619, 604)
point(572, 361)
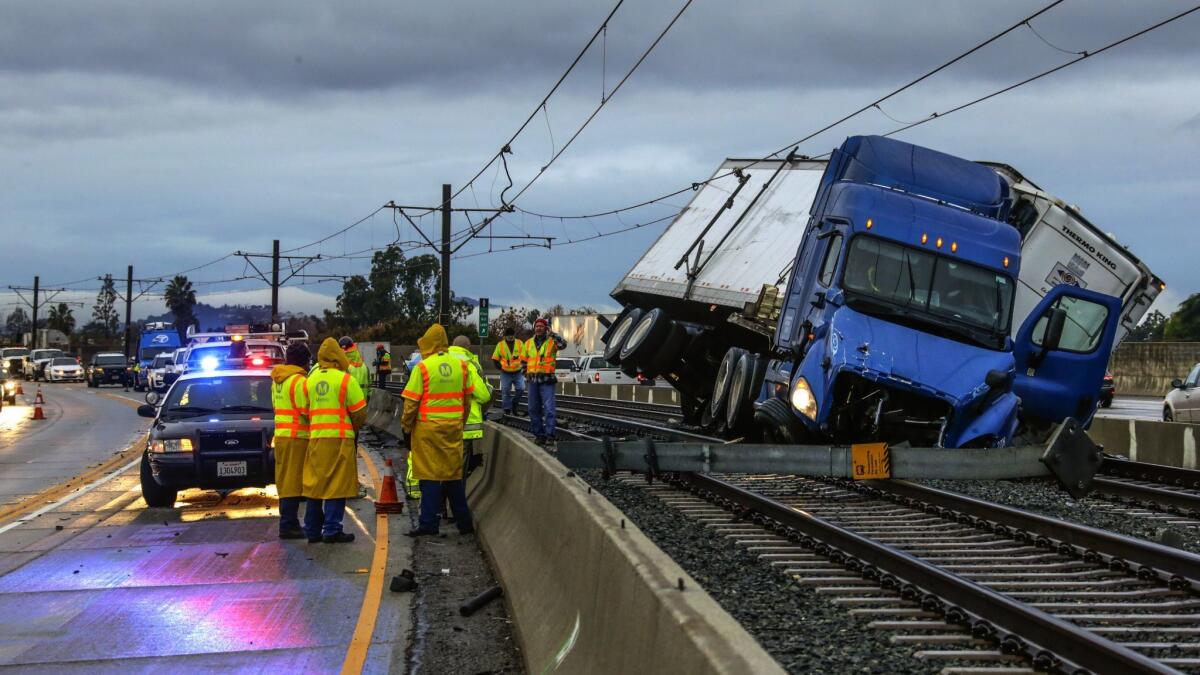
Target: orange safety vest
point(440, 394)
point(541, 361)
point(290, 399)
point(330, 403)
point(510, 361)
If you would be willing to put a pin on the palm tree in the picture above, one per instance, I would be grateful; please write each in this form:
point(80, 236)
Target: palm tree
point(180, 298)
point(61, 318)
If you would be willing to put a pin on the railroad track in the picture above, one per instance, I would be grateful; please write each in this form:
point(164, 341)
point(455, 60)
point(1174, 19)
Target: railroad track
point(1162, 494)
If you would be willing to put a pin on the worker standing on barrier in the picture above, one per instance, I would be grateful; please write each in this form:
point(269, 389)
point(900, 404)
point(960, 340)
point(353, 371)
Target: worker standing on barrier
point(289, 394)
point(541, 352)
point(336, 410)
point(383, 365)
point(436, 407)
point(509, 357)
point(358, 369)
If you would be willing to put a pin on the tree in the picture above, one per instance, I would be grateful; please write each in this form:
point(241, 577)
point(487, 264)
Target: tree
point(104, 312)
point(17, 323)
point(61, 318)
point(398, 292)
point(180, 299)
point(1184, 324)
point(1150, 329)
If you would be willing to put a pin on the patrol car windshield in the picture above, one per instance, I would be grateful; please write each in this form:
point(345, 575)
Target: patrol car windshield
point(211, 395)
point(945, 295)
point(115, 360)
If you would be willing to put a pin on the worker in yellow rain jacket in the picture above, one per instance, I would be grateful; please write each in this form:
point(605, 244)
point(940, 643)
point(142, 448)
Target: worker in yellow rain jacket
point(436, 407)
point(289, 394)
point(509, 357)
point(336, 410)
point(358, 369)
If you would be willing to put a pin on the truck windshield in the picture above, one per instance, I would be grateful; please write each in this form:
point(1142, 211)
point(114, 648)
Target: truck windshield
point(907, 283)
point(148, 353)
point(13, 353)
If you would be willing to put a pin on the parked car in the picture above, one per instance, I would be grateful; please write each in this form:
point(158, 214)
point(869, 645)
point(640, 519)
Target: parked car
point(35, 365)
point(108, 368)
point(213, 430)
point(564, 368)
point(594, 369)
point(1107, 390)
point(63, 369)
point(8, 388)
point(157, 370)
point(1183, 399)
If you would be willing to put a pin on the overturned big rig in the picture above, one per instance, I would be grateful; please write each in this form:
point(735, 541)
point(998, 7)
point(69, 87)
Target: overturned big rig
point(890, 293)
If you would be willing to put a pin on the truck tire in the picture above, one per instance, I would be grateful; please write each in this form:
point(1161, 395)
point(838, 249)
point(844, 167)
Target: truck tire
point(646, 336)
point(743, 390)
point(616, 340)
point(156, 496)
point(778, 422)
point(722, 381)
point(667, 354)
point(613, 326)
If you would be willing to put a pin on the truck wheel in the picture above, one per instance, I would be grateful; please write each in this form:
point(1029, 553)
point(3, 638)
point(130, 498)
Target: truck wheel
point(645, 336)
point(743, 390)
point(778, 423)
point(616, 322)
point(667, 354)
point(722, 381)
point(616, 340)
point(156, 496)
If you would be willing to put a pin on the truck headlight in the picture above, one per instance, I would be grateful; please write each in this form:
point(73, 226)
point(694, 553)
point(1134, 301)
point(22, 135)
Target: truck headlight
point(803, 400)
point(171, 445)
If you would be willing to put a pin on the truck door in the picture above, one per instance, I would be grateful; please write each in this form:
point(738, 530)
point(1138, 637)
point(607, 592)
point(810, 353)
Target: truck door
point(814, 272)
point(1061, 352)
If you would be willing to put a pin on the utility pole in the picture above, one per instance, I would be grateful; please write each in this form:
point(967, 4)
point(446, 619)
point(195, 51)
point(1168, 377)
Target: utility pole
point(37, 301)
point(275, 281)
point(128, 306)
point(444, 294)
point(33, 333)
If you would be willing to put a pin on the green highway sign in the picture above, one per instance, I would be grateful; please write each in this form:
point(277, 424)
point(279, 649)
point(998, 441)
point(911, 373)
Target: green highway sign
point(483, 317)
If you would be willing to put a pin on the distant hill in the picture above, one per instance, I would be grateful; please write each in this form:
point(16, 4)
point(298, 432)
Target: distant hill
point(216, 318)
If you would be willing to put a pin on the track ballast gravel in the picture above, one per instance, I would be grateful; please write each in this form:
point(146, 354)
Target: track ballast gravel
point(803, 631)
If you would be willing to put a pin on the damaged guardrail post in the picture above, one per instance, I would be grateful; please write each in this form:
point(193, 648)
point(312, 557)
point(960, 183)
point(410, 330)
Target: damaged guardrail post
point(1069, 456)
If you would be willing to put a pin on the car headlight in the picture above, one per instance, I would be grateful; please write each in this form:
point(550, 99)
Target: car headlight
point(171, 445)
point(10, 385)
point(803, 400)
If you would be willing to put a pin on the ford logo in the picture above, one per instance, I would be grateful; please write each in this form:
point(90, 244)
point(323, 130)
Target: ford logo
point(232, 441)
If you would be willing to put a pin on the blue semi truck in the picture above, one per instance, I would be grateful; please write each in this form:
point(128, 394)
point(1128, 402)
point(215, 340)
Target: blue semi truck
point(879, 296)
point(154, 338)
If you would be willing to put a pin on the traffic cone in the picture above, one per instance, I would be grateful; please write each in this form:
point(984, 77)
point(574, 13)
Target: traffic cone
point(37, 405)
point(20, 389)
point(389, 500)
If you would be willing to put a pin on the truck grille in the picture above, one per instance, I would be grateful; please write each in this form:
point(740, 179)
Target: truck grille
point(230, 441)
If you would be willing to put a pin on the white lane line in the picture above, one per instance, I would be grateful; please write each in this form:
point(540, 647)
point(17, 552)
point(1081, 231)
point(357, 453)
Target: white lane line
point(78, 493)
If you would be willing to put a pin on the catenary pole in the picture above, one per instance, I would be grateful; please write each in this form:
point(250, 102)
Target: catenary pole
point(444, 286)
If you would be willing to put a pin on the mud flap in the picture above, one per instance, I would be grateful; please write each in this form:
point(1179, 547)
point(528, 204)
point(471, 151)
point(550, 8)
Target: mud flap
point(1073, 458)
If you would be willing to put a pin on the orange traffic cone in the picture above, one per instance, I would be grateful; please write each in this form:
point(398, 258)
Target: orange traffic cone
point(20, 389)
point(37, 405)
point(389, 500)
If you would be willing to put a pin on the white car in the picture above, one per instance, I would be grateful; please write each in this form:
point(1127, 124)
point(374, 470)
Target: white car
point(64, 369)
point(36, 363)
point(564, 368)
point(1182, 403)
point(155, 374)
point(593, 369)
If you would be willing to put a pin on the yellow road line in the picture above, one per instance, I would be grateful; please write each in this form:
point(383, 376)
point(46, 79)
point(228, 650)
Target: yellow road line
point(56, 492)
point(356, 655)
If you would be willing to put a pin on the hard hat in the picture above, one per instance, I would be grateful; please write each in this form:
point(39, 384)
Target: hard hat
point(378, 348)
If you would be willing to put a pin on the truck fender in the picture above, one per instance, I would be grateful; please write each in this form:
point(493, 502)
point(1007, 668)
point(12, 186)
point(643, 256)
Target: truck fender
point(998, 421)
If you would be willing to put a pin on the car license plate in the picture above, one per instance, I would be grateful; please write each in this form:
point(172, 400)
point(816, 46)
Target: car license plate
point(228, 469)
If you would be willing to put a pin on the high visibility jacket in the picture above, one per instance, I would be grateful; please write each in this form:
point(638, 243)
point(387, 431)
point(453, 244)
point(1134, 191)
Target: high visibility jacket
point(480, 393)
point(384, 362)
point(511, 360)
point(358, 369)
point(541, 361)
point(435, 400)
point(333, 395)
point(290, 398)
point(439, 385)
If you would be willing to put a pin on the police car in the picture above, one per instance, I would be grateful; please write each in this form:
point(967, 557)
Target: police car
point(214, 428)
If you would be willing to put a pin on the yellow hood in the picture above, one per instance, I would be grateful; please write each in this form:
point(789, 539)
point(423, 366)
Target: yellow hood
point(280, 373)
point(433, 341)
point(330, 355)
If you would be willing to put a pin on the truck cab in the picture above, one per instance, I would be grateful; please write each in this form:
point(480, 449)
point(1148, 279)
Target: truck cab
point(155, 338)
point(896, 320)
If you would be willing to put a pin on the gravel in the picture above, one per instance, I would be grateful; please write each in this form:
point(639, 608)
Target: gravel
point(1047, 499)
point(804, 632)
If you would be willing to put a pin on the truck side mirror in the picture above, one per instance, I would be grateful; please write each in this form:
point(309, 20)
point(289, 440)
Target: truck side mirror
point(1054, 329)
point(818, 300)
point(146, 411)
point(1177, 383)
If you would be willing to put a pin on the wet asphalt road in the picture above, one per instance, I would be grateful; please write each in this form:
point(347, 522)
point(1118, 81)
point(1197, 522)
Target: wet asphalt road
point(83, 428)
point(103, 584)
point(1133, 408)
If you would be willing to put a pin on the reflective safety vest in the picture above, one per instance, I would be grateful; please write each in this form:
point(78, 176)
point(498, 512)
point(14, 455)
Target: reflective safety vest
point(290, 398)
point(440, 386)
point(385, 361)
point(331, 399)
point(541, 361)
point(480, 394)
point(510, 361)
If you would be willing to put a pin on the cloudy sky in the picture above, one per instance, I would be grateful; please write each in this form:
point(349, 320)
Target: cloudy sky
point(168, 135)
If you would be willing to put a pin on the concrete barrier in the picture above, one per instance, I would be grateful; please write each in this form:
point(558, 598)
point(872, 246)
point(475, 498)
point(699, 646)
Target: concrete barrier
point(1169, 443)
point(616, 392)
point(588, 591)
